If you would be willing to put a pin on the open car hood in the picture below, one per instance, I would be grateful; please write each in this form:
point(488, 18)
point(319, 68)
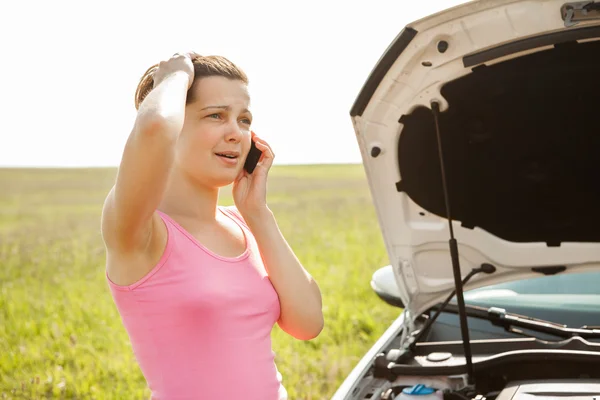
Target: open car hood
point(517, 83)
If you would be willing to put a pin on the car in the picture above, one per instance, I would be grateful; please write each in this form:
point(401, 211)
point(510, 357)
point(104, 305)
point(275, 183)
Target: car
point(478, 131)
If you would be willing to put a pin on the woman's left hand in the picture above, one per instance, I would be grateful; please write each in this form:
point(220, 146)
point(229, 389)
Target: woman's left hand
point(250, 190)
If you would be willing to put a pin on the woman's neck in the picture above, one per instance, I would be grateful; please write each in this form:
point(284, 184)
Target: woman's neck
point(187, 198)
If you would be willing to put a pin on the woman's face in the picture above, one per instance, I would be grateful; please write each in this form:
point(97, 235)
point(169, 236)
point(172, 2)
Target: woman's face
point(215, 139)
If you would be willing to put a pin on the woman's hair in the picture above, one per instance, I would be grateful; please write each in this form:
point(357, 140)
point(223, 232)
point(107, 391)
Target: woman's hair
point(204, 66)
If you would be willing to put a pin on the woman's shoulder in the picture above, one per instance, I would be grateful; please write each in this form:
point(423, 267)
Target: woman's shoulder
point(234, 212)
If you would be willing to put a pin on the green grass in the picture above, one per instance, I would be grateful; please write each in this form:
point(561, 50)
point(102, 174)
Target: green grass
point(61, 336)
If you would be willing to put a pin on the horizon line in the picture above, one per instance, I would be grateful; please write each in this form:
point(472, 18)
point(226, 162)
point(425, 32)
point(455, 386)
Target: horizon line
point(116, 166)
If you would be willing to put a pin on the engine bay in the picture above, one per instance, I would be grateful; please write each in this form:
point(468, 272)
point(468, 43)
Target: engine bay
point(539, 390)
point(506, 368)
point(551, 389)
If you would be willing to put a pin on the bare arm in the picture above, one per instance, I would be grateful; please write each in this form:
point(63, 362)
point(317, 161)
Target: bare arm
point(147, 159)
point(299, 294)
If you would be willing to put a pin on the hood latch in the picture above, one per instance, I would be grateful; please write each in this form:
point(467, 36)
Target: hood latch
point(579, 11)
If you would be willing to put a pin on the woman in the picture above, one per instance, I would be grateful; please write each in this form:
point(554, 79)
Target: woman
point(199, 286)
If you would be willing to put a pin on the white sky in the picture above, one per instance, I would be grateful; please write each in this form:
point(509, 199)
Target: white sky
point(69, 69)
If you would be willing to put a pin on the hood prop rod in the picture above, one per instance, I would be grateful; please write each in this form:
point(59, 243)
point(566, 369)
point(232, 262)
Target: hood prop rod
point(464, 328)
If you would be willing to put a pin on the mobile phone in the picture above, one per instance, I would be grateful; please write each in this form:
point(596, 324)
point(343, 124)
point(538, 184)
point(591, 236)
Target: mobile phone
point(252, 158)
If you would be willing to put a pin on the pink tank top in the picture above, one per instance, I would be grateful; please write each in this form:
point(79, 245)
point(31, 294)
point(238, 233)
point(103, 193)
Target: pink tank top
point(200, 324)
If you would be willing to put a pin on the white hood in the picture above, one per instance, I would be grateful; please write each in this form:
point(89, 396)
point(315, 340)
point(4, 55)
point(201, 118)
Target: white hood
point(520, 97)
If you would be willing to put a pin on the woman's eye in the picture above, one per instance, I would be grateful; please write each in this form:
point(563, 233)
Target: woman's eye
point(246, 121)
point(214, 116)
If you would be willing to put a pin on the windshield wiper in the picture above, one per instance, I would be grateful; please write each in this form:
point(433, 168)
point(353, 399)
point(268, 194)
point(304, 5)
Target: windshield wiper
point(510, 321)
point(499, 317)
point(486, 268)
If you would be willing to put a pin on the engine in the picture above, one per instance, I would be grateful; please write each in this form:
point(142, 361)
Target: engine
point(526, 390)
point(546, 390)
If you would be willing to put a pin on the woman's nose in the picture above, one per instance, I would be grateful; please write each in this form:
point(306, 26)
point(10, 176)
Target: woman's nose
point(234, 133)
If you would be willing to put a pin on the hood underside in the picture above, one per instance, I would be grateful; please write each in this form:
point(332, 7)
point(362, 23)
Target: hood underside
point(519, 134)
point(521, 144)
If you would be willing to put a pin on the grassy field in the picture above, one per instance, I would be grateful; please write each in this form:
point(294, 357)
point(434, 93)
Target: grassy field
point(61, 336)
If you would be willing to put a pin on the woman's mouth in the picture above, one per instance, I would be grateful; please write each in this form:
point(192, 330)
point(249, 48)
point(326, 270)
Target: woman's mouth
point(228, 157)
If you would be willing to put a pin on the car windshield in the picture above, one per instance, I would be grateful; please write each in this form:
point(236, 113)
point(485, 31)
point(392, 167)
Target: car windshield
point(569, 299)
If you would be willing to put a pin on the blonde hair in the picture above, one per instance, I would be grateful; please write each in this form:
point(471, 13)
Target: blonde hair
point(204, 66)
